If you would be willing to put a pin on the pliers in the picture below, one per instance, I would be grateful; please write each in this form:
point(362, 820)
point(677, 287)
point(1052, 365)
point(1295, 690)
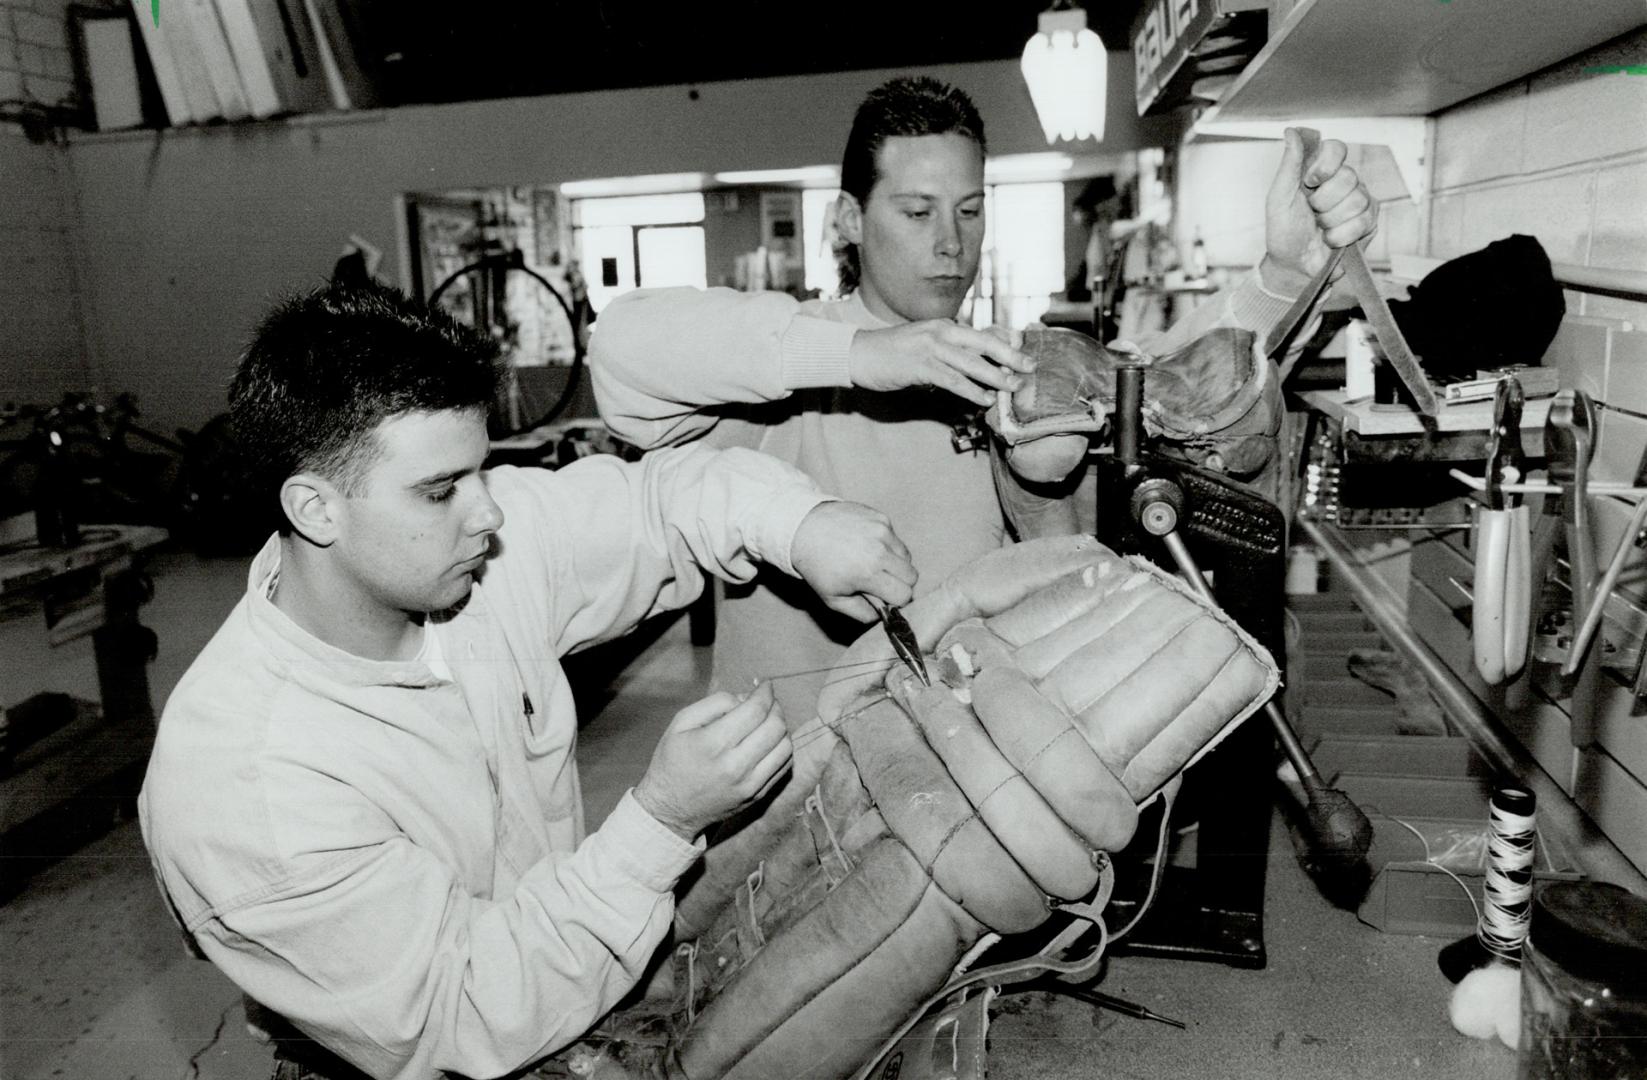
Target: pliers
point(903, 639)
point(1503, 577)
point(1569, 444)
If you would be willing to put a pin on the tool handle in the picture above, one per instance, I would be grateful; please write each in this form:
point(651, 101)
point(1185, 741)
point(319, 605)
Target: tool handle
point(1609, 580)
point(1487, 615)
point(1518, 592)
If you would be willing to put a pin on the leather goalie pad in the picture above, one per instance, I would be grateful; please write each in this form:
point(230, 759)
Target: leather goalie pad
point(1069, 685)
point(1217, 401)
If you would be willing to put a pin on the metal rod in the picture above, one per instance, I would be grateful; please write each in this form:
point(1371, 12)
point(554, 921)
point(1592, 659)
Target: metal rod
point(1129, 414)
point(1595, 854)
point(1630, 284)
point(1598, 599)
point(1300, 758)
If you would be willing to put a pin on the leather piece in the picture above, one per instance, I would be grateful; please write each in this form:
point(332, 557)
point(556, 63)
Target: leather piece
point(826, 946)
point(845, 1020)
point(1042, 742)
point(1218, 400)
point(1009, 805)
point(927, 811)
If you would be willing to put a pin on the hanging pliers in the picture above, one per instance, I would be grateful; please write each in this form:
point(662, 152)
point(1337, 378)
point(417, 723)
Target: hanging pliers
point(1503, 574)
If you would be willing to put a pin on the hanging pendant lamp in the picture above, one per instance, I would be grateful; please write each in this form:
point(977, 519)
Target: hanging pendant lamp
point(1067, 70)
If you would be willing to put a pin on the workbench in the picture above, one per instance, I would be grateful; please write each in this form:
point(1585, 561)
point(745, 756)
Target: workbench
point(1469, 418)
point(69, 766)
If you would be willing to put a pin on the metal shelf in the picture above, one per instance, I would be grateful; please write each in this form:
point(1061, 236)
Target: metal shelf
point(1349, 58)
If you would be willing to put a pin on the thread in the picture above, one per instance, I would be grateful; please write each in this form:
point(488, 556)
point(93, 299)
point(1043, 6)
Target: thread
point(1508, 890)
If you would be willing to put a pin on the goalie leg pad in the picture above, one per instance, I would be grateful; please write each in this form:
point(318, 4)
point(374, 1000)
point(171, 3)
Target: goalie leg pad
point(820, 998)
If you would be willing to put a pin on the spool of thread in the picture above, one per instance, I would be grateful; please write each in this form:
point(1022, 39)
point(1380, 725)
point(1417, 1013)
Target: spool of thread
point(1507, 890)
point(1487, 999)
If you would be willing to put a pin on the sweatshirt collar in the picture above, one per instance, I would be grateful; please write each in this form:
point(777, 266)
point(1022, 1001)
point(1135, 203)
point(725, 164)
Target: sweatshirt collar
point(294, 645)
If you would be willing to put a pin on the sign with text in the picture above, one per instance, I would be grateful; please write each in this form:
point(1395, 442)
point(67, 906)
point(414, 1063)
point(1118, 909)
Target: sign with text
point(1165, 34)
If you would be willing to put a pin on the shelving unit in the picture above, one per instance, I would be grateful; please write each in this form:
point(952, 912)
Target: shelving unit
point(1372, 73)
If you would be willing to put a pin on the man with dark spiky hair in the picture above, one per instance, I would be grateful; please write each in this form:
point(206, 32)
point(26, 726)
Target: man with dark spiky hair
point(362, 803)
point(842, 388)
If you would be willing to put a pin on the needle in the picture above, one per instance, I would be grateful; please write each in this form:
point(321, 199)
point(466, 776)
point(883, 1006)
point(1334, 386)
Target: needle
point(1120, 1005)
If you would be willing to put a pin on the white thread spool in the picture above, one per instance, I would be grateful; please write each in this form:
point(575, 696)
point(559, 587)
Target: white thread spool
point(1508, 890)
point(1487, 999)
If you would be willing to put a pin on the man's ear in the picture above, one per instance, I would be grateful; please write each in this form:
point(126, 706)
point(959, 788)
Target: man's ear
point(849, 219)
point(310, 503)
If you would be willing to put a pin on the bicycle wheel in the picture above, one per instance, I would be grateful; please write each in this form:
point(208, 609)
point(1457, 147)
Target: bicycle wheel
point(536, 328)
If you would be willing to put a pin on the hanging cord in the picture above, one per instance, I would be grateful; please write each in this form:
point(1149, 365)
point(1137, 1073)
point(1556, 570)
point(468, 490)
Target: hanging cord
point(1169, 795)
point(1429, 857)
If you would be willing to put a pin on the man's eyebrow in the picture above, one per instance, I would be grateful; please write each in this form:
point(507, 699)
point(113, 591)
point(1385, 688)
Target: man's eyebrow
point(927, 196)
point(442, 478)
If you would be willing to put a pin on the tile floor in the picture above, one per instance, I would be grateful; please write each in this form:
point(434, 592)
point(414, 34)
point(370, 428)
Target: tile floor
point(94, 983)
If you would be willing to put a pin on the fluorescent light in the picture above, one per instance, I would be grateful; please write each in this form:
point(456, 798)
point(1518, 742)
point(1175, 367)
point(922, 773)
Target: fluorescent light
point(809, 175)
point(1049, 165)
point(656, 184)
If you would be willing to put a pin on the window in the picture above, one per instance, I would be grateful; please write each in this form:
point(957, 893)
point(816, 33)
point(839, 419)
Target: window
point(635, 241)
point(1023, 265)
point(818, 234)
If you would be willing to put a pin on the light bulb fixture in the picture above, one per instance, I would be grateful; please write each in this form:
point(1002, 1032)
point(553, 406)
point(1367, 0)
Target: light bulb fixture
point(1067, 70)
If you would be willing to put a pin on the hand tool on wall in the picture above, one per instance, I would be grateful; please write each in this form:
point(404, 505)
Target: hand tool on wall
point(1569, 436)
point(902, 637)
point(1503, 572)
point(1609, 580)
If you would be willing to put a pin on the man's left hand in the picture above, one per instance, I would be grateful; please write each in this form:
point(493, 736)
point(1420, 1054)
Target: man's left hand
point(1312, 207)
point(845, 550)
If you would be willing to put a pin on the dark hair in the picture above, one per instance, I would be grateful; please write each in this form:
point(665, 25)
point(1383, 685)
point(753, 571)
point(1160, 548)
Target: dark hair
point(906, 105)
point(323, 370)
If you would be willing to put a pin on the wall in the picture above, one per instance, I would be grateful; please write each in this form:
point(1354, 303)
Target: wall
point(1563, 156)
point(1222, 185)
point(43, 352)
point(34, 52)
point(195, 230)
point(40, 320)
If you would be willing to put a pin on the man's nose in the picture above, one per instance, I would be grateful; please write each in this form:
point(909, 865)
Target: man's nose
point(487, 515)
point(949, 238)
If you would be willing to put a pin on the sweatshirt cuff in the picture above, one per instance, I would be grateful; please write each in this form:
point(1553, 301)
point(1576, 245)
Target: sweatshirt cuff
point(653, 855)
point(814, 351)
point(1256, 307)
point(780, 520)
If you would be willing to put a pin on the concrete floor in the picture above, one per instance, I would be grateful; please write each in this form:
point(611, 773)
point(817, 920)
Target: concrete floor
point(95, 985)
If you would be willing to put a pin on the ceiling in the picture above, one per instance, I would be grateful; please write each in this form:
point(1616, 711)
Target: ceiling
point(426, 52)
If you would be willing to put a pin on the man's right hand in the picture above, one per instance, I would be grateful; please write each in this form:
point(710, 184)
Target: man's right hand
point(716, 755)
point(969, 363)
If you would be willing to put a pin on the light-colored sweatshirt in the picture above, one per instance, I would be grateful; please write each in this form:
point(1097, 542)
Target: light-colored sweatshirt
point(395, 860)
point(766, 371)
